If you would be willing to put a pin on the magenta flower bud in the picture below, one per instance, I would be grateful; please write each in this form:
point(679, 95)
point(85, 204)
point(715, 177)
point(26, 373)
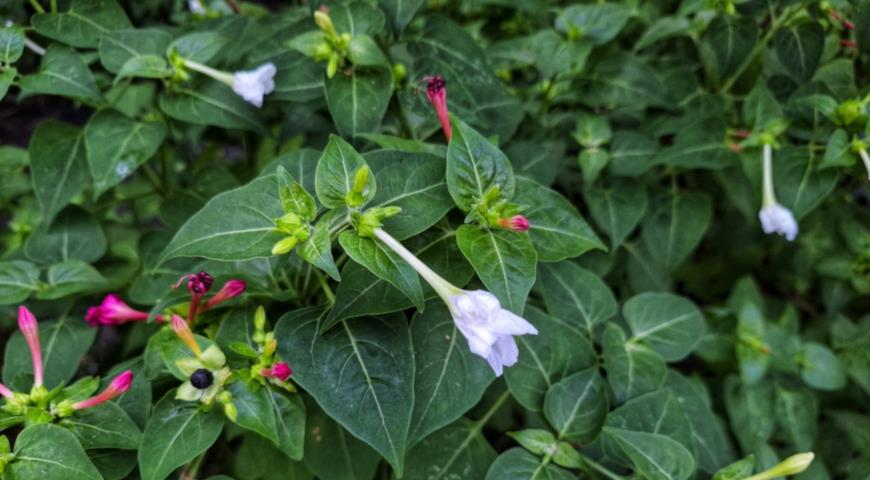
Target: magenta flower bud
point(198, 284)
point(517, 223)
point(113, 311)
point(231, 289)
point(437, 95)
point(116, 388)
point(5, 392)
point(280, 371)
point(30, 329)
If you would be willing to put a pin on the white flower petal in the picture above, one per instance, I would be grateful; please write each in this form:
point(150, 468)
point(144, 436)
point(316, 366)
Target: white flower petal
point(777, 219)
point(507, 323)
point(506, 349)
point(253, 85)
point(195, 6)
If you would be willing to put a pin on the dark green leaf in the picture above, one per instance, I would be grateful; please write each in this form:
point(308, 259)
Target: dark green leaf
point(336, 168)
point(799, 49)
point(474, 165)
point(572, 292)
point(459, 449)
point(83, 24)
point(358, 100)
point(669, 324)
point(18, 279)
point(212, 103)
point(74, 235)
point(104, 426)
point(676, 227)
point(517, 463)
point(254, 406)
point(385, 263)
point(632, 368)
point(617, 209)
point(58, 168)
point(576, 406)
point(119, 47)
point(63, 72)
point(50, 452)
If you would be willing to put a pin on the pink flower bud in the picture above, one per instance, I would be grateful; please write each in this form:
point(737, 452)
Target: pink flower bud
point(437, 95)
point(116, 388)
point(113, 311)
point(5, 392)
point(231, 289)
point(181, 328)
point(30, 329)
point(517, 223)
point(280, 371)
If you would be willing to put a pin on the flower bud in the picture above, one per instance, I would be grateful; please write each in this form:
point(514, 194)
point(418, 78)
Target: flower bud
point(113, 311)
point(30, 330)
point(285, 245)
point(324, 23)
point(231, 411)
point(436, 93)
point(279, 371)
point(359, 192)
point(260, 319)
point(289, 223)
point(116, 388)
point(792, 465)
point(233, 288)
point(180, 327)
point(517, 223)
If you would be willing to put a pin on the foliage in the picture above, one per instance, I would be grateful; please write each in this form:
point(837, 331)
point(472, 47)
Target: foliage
point(666, 201)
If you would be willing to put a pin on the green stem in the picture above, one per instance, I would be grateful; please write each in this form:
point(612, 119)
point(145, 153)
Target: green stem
point(601, 468)
point(36, 6)
point(53, 6)
point(211, 72)
point(327, 290)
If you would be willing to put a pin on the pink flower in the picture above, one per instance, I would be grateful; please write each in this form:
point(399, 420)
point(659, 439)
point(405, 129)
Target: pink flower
point(180, 327)
point(119, 385)
point(198, 284)
point(280, 371)
point(113, 311)
point(231, 289)
point(517, 223)
point(437, 95)
point(30, 329)
point(4, 390)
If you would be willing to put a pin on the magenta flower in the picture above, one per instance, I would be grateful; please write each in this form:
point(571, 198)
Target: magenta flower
point(437, 95)
point(30, 329)
point(113, 311)
point(231, 289)
point(517, 223)
point(198, 284)
point(119, 385)
point(280, 371)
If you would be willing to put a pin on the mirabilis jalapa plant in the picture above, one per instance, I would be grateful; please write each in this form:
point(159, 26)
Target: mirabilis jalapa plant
point(364, 240)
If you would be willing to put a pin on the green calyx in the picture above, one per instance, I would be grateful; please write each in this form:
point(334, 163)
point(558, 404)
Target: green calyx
point(487, 211)
point(367, 222)
point(362, 189)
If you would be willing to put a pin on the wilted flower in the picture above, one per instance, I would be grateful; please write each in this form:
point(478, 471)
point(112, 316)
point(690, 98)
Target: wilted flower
point(116, 388)
point(207, 374)
point(517, 223)
point(774, 217)
point(231, 289)
point(253, 85)
point(113, 311)
point(478, 314)
point(180, 327)
point(280, 371)
point(30, 329)
point(436, 93)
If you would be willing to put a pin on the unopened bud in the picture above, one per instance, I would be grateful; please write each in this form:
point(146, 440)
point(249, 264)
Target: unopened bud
point(792, 465)
point(285, 245)
point(231, 411)
point(324, 23)
point(260, 319)
point(289, 223)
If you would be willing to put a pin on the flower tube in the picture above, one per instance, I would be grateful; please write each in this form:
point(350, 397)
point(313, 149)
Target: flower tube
point(251, 85)
point(774, 217)
point(113, 311)
point(30, 329)
point(116, 388)
point(488, 328)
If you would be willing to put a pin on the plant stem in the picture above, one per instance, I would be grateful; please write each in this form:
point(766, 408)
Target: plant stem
point(211, 72)
point(600, 468)
point(192, 468)
point(234, 6)
point(327, 290)
point(36, 6)
point(53, 6)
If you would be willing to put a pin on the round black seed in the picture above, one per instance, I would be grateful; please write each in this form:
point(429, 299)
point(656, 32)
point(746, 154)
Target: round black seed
point(201, 379)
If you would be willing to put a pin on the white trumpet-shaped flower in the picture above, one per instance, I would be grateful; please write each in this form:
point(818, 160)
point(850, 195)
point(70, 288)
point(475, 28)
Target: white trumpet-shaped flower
point(774, 217)
point(196, 7)
point(253, 85)
point(478, 315)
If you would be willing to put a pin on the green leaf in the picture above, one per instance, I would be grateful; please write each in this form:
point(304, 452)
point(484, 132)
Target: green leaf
point(255, 410)
point(363, 365)
point(118, 48)
point(457, 451)
point(290, 421)
point(358, 18)
point(632, 368)
point(571, 292)
point(212, 103)
point(631, 154)
point(145, 66)
point(50, 452)
point(18, 279)
point(199, 46)
point(63, 72)
point(449, 378)
point(838, 151)
point(801, 186)
point(537, 160)
point(661, 29)
point(799, 49)
point(617, 209)
point(6, 78)
point(820, 367)
point(248, 233)
point(750, 405)
point(676, 227)
point(294, 197)
point(57, 165)
point(598, 23)
point(504, 261)
point(796, 410)
point(384, 263)
point(113, 464)
point(400, 12)
point(69, 277)
point(415, 183)
point(726, 44)
point(64, 342)
point(476, 95)
point(738, 470)
point(358, 101)
point(576, 406)
point(74, 235)
point(535, 440)
point(317, 250)
point(117, 146)
point(558, 350)
point(697, 149)
point(669, 324)
point(104, 426)
point(11, 44)
point(517, 463)
point(176, 433)
point(83, 24)
point(557, 229)
point(474, 165)
point(336, 169)
point(624, 80)
point(657, 412)
point(656, 457)
point(331, 452)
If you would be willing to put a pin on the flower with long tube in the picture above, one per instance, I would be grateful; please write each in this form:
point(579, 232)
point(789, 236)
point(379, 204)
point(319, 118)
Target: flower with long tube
point(478, 314)
point(774, 217)
point(30, 330)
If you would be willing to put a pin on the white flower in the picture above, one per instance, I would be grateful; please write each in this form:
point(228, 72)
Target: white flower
point(777, 219)
point(196, 7)
point(254, 84)
point(489, 328)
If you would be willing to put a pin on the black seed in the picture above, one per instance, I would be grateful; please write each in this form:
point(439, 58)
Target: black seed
point(201, 379)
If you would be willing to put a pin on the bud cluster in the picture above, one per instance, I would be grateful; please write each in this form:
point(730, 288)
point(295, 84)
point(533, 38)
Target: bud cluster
point(326, 44)
point(493, 210)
